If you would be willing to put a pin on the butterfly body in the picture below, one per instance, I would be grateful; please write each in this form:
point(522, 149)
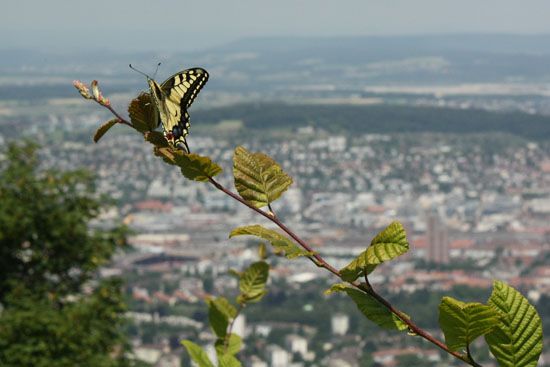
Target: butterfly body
point(172, 98)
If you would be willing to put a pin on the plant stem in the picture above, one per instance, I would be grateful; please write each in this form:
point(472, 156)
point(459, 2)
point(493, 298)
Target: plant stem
point(230, 328)
point(316, 258)
point(367, 288)
point(120, 119)
point(319, 261)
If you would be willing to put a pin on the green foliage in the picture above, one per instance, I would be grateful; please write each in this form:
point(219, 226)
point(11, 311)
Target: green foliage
point(104, 128)
point(227, 360)
point(382, 119)
point(231, 345)
point(462, 323)
point(197, 354)
point(220, 311)
point(370, 307)
point(193, 166)
point(40, 331)
point(45, 238)
point(157, 139)
point(388, 244)
point(258, 178)
point(252, 282)
point(278, 241)
point(517, 340)
point(143, 114)
point(48, 250)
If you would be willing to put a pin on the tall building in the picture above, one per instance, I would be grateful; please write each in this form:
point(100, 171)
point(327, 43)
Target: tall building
point(438, 239)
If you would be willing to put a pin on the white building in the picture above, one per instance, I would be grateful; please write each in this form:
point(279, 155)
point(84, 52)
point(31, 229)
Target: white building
point(340, 324)
point(297, 344)
point(277, 356)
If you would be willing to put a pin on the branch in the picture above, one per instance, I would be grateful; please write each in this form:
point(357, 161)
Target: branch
point(230, 328)
point(315, 258)
point(365, 287)
point(120, 119)
point(320, 262)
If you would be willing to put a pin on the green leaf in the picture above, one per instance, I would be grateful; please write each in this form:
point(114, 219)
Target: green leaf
point(227, 360)
point(143, 113)
point(196, 167)
point(234, 345)
point(262, 251)
point(258, 178)
point(197, 354)
point(370, 307)
point(462, 323)
point(193, 166)
point(517, 340)
point(157, 139)
point(225, 307)
point(387, 245)
point(277, 240)
point(252, 282)
point(104, 128)
point(218, 320)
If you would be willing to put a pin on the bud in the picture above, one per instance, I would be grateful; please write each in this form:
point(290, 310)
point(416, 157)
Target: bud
point(104, 100)
point(95, 90)
point(82, 89)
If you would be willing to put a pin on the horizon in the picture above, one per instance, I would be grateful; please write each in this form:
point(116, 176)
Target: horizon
point(145, 26)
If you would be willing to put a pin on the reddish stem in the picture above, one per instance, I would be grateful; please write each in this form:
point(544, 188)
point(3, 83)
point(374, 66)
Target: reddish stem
point(319, 261)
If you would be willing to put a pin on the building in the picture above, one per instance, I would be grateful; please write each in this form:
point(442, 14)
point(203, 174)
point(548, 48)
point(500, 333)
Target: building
point(340, 324)
point(438, 239)
point(278, 357)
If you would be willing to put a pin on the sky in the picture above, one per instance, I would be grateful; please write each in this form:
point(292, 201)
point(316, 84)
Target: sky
point(160, 25)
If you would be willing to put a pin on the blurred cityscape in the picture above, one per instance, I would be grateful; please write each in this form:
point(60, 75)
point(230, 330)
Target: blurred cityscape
point(476, 205)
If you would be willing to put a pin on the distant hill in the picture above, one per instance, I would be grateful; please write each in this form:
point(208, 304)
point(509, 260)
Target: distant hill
point(380, 119)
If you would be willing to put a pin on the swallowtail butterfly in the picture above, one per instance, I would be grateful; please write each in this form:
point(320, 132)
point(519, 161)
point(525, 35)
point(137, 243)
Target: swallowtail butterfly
point(172, 98)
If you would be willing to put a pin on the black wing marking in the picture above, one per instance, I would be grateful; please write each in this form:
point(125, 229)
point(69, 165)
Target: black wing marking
point(184, 86)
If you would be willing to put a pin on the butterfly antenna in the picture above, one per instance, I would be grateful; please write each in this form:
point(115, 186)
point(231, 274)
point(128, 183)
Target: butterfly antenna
point(157, 69)
point(139, 71)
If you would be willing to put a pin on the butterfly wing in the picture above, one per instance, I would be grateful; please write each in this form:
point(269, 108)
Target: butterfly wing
point(180, 91)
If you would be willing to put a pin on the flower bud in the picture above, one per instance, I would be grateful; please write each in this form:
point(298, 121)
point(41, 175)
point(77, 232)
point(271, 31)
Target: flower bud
point(82, 89)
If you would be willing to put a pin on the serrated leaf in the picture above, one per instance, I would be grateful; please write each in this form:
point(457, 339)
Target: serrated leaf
point(462, 323)
point(197, 354)
point(196, 167)
point(157, 139)
point(143, 113)
point(252, 282)
point(217, 318)
point(104, 128)
point(227, 360)
point(234, 345)
point(223, 304)
point(370, 307)
point(168, 154)
point(277, 240)
point(258, 178)
point(338, 287)
point(517, 340)
point(237, 274)
point(387, 245)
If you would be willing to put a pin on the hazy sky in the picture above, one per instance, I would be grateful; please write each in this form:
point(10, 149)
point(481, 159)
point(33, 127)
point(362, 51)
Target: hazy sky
point(161, 24)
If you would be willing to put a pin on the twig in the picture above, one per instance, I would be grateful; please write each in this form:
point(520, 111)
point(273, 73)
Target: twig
point(366, 287)
point(319, 261)
point(316, 258)
point(121, 120)
point(230, 328)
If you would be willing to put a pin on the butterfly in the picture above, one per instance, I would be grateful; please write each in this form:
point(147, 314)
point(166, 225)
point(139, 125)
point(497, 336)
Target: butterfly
point(172, 98)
